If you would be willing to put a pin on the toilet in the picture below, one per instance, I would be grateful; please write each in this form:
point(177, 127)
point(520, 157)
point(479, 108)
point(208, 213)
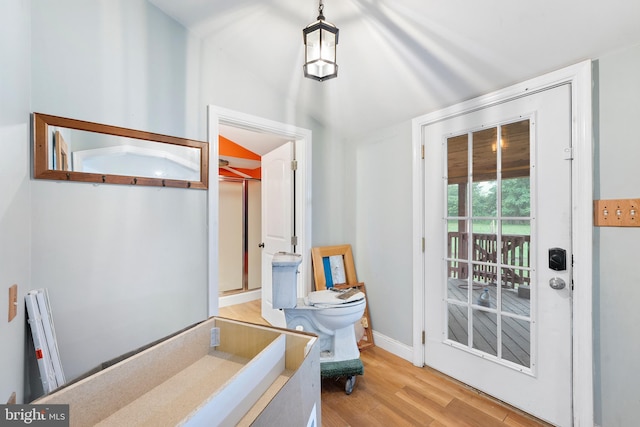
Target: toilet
point(323, 313)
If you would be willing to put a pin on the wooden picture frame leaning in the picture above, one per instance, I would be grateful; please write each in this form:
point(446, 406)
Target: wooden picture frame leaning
point(346, 278)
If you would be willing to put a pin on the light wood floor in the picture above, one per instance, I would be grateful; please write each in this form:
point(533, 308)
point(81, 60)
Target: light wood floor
point(393, 392)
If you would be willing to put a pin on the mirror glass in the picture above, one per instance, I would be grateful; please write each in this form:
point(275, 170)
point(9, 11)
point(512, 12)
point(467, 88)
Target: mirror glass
point(74, 150)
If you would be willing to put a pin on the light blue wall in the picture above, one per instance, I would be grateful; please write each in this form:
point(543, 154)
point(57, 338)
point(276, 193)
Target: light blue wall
point(616, 250)
point(15, 201)
point(378, 210)
point(124, 265)
point(123, 62)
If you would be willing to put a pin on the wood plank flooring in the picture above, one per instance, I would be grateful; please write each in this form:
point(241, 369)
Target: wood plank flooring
point(393, 392)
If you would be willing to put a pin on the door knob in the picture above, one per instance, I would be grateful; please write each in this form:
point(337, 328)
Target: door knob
point(557, 283)
point(261, 245)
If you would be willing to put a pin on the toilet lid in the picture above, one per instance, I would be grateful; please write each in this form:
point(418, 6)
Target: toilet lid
point(329, 297)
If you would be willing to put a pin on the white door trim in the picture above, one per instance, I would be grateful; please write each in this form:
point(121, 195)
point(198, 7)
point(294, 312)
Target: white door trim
point(302, 137)
point(579, 76)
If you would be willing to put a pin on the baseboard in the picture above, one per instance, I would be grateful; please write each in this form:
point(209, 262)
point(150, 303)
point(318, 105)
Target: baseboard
point(392, 346)
point(239, 298)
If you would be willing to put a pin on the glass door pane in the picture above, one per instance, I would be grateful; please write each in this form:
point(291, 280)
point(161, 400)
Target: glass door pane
point(457, 242)
point(489, 242)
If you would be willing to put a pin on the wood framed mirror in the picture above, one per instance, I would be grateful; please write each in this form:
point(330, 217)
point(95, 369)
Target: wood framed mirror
point(75, 150)
point(333, 267)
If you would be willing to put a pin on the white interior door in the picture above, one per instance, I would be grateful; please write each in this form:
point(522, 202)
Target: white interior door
point(497, 185)
point(277, 220)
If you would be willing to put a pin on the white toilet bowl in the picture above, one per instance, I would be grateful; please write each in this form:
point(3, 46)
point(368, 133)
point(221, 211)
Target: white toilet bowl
point(332, 320)
point(333, 312)
point(326, 313)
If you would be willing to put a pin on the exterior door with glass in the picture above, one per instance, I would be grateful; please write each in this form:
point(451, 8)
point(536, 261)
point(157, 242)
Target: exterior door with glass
point(497, 222)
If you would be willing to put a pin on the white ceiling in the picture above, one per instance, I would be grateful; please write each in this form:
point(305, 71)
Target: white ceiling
point(399, 59)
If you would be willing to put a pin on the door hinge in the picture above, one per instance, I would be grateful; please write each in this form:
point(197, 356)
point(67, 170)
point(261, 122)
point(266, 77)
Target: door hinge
point(424, 337)
point(423, 244)
point(568, 153)
point(422, 149)
point(294, 240)
point(294, 165)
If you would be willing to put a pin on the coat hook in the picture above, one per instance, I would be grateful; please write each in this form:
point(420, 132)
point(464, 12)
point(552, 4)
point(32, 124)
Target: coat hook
point(68, 176)
point(135, 180)
point(188, 184)
point(164, 184)
point(104, 178)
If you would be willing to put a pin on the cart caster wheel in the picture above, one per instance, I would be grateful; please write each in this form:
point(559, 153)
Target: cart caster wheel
point(351, 381)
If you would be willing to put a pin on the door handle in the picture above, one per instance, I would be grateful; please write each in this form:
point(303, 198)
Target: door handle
point(557, 283)
point(261, 245)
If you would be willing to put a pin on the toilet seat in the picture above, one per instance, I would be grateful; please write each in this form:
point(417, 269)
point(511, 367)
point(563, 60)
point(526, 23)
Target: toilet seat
point(329, 298)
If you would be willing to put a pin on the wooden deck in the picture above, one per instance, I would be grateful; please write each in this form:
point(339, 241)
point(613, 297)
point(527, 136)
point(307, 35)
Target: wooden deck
point(516, 341)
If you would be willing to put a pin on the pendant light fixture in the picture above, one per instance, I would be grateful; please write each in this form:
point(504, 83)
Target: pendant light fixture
point(320, 41)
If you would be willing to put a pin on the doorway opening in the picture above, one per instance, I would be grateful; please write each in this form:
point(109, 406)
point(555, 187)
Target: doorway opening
point(259, 136)
point(240, 229)
point(239, 177)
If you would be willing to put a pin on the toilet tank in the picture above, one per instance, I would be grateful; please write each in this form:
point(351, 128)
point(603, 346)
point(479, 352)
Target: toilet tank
point(284, 279)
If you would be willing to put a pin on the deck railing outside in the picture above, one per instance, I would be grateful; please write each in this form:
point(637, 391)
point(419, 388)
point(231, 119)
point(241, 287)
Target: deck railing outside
point(514, 250)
